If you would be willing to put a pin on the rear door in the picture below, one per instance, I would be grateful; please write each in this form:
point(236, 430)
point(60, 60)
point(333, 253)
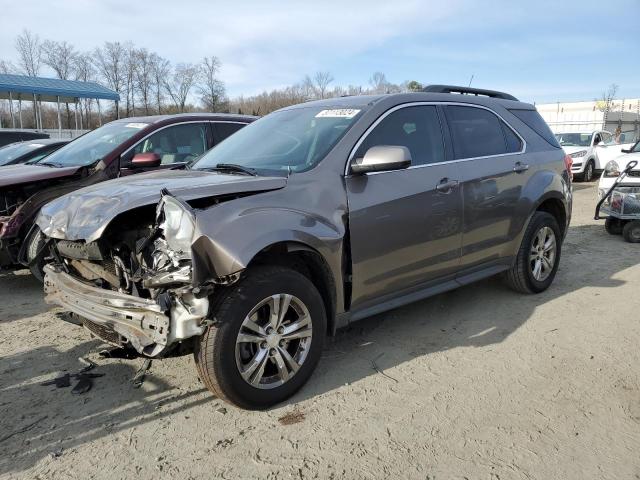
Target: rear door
point(405, 225)
point(493, 173)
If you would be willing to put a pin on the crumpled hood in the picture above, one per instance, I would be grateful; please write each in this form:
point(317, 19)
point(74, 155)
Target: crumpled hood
point(23, 173)
point(85, 214)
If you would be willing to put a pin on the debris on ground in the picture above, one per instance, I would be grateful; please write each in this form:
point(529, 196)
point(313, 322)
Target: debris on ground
point(119, 352)
point(84, 379)
point(291, 418)
point(379, 370)
point(23, 429)
point(138, 378)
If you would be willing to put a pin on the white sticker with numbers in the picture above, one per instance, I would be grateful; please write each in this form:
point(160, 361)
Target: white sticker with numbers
point(338, 113)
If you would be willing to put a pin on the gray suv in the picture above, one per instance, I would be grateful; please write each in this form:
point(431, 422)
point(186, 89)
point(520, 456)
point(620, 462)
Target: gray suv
point(311, 218)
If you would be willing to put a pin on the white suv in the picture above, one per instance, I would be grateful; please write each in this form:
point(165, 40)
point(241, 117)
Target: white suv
point(584, 149)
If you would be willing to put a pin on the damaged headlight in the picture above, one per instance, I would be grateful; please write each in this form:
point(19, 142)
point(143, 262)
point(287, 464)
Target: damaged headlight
point(178, 223)
point(612, 169)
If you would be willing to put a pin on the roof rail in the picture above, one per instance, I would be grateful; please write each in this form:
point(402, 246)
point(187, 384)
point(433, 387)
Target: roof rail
point(468, 91)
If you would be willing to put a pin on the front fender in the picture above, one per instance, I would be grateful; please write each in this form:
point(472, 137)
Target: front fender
point(225, 245)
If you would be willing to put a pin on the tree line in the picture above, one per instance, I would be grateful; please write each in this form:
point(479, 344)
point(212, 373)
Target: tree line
point(150, 84)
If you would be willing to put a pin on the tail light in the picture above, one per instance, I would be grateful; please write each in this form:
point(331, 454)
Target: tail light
point(568, 162)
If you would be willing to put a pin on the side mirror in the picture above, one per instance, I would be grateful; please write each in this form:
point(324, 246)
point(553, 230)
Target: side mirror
point(146, 160)
point(625, 150)
point(382, 158)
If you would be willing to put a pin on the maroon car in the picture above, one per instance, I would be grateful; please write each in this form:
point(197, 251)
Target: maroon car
point(119, 148)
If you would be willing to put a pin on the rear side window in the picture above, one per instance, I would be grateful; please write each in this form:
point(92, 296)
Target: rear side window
point(477, 132)
point(417, 128)
point(536, 123)
point(223, 130)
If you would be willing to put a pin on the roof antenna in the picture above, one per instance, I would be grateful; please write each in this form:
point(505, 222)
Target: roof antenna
point(472, 75)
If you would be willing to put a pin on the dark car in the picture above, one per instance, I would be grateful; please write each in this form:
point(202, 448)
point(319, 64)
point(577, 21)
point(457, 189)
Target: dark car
point(309, 219)
point(31, 151)
point(117, 149)
point(8, 136)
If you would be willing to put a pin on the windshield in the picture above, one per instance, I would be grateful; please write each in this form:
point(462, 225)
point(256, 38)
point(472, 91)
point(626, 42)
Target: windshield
point(574, 139)
point(291, 140)
point(93, 146)
point(15, 150)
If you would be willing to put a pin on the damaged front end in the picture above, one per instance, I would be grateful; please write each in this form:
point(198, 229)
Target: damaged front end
point(134, 288)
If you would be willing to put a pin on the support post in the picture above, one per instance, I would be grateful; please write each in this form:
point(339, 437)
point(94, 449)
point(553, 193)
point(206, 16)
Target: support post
point(59, 121)
point(117, 111)
point(76, 115)
point(40, 114)
point(99, 113)
point(80, 116)
point(35, 111)
point(20, 110)
point(13, 120)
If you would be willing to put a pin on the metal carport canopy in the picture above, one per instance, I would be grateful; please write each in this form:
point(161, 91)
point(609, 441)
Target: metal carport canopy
point(21, 87)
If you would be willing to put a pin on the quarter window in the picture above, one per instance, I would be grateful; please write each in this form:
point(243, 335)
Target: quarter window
point(223, 130)
point(417, 128)
point(477, 132)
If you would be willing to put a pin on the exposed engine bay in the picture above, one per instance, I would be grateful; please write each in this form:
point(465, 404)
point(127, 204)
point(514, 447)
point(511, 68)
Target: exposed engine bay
point(133, 287)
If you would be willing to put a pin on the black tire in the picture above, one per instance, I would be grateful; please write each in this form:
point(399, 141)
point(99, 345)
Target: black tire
point(589, 171)
point(215, 354)
point(520, 277)
point(36, 262)
point(631, 231)
point(613, 226)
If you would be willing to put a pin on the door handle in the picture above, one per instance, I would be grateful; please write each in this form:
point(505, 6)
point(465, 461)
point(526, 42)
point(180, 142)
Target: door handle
point(520, 167)
point(446, 185)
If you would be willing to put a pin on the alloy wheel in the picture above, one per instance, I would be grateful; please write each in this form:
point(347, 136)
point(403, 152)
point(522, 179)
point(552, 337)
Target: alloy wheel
point(542, 255)
point(274, 341)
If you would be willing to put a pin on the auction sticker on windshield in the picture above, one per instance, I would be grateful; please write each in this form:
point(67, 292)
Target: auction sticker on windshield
point(136, 125)
point(338, 113)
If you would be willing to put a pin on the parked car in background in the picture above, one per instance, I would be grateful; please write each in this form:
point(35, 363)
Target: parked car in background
point(581, 147)
point(614, 167)
point(8, 136)
point(120, 148)
point(30, 151)
point(311, 218)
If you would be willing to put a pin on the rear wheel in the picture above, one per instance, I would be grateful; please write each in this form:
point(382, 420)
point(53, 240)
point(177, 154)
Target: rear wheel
point(267, 340)
point(35, 255)
point(631, 231)
point(538, 257)
point(613, 226)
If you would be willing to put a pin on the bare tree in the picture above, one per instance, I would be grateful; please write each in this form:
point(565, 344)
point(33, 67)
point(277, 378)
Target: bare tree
point(160, 70)
point(606, 103)
point(179, 85)
point(29, 53)
point(379, 83)
point(61, 58)
point(130, 78)
point(110, 61)
point(7, 67)
point(211, 88)
point(321, 81)
point(144, 77)
point(85, 72)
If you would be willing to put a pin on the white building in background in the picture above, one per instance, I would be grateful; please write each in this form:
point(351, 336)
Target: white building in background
point(590, 116)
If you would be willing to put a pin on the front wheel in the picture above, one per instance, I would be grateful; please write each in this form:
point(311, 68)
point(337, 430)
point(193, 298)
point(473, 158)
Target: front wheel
point(267, 338)
point(588, 171)
point(538, 257)
point(35, 254)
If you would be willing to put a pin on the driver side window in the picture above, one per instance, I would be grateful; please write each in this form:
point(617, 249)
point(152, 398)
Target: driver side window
point(417, 128)
point(175, 144)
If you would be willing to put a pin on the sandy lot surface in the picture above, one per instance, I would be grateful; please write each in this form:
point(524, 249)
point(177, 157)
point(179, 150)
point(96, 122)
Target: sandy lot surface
point(480, 383)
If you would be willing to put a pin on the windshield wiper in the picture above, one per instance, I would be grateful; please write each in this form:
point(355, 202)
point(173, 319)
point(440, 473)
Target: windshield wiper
point(49, 164)
point(232, 167)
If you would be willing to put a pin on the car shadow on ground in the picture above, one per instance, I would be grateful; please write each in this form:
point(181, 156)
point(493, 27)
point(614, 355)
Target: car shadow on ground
point(474, 316)
point(20, 283)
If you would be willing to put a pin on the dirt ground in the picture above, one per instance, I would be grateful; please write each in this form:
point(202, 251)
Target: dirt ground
point(479, 383)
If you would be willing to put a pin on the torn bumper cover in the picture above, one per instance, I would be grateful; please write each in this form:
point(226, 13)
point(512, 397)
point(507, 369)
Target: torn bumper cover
point(138, 321)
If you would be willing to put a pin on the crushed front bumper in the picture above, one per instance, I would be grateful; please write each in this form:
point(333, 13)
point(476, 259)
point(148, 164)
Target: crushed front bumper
point(140, 321)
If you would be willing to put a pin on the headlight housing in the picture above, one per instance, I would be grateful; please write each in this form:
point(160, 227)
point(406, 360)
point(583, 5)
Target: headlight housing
point(612, 169)
point(178, 223)
point(579, 154)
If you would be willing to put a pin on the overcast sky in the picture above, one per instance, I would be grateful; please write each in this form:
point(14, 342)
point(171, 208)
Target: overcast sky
point(538, 50)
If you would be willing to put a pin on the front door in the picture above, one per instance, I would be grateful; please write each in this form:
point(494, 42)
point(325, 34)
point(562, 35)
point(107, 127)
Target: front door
point(405, 225)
